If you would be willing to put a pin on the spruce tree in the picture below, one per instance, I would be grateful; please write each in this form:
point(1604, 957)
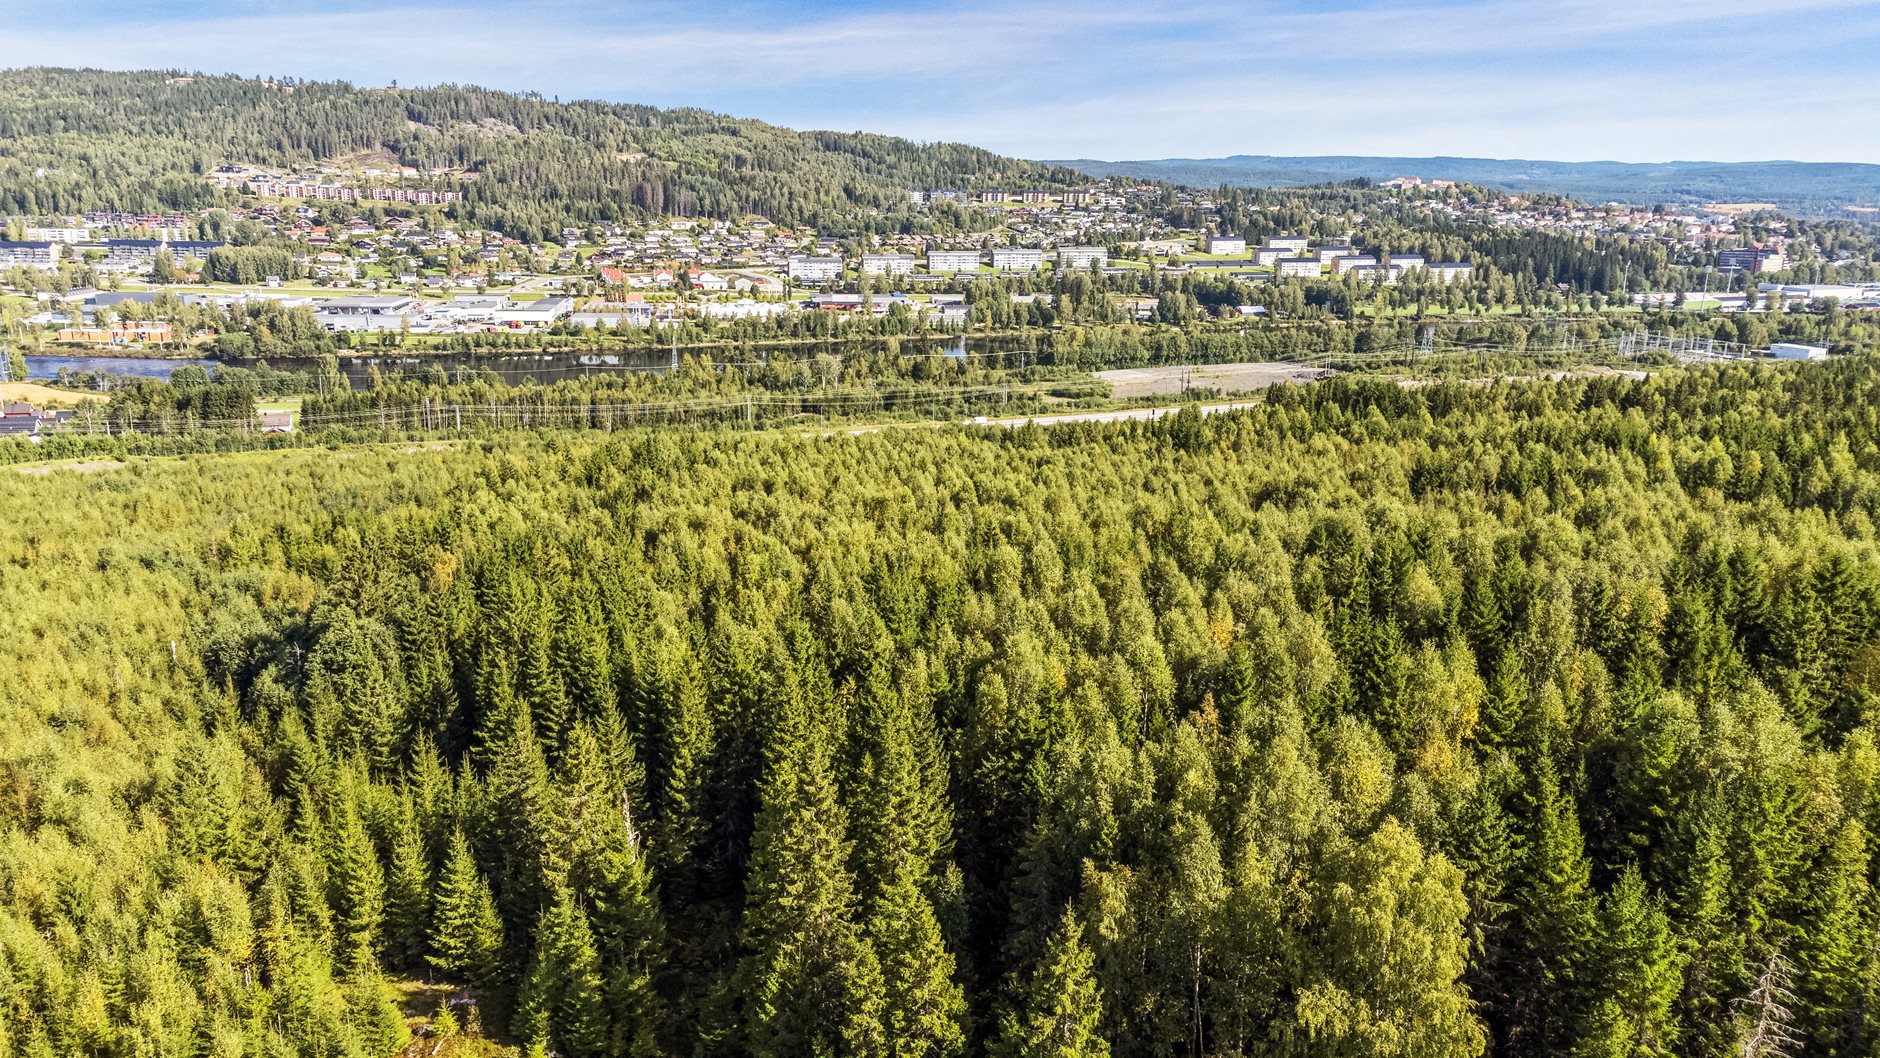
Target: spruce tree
point(1059, 1011)
point(809, 983)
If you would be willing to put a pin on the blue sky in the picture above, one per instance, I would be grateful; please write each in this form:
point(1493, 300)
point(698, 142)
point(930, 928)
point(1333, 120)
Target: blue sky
point(1634, 80)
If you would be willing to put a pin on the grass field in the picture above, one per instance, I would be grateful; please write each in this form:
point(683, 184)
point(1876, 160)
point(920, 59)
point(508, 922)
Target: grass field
point(34, 393)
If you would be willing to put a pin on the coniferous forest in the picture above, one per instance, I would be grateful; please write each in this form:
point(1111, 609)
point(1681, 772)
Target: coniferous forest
point(1524, 719)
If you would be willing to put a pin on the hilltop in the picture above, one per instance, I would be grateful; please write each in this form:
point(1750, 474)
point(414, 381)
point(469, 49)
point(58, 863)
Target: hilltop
point(1808, 187)
point(76, 140)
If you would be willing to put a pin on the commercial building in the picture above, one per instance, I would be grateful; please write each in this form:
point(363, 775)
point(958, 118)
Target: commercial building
point(1793, 351)
point(542, 312)
point(952, 260)
point(366, 313)
point(1753, 259)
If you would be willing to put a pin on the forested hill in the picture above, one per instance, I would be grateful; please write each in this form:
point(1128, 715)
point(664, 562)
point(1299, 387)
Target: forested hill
point(1807, 187)
point(74, 140)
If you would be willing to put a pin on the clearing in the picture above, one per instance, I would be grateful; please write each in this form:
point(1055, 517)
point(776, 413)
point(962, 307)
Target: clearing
point(34, 393)
point(1126, 383)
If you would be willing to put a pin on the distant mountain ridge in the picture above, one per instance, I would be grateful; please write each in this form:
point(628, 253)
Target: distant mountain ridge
point(1814, 186)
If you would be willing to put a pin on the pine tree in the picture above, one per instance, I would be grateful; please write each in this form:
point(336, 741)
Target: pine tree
point(1057, 1013)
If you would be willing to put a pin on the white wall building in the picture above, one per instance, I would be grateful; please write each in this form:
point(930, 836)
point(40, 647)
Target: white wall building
point(1341, 265)
point(888, 264)
point(1793, 351)
point(1301, 267)
point(1294, 243)
point(1450, 271)
point(1226, 244)
point(952, 260)
point(815, 269)
point(1017, 259)
point(1082, 256)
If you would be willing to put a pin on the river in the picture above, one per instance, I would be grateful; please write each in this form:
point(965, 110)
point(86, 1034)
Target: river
point(513, 367)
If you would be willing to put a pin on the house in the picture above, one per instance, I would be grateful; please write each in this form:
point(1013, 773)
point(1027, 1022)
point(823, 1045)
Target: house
point(888, 264)
point(710, 281)
point(803, 269)
point(952, 260)
point(275, 421)
point(1220, 244)
point(1017, 259)
point(1300, 267)
point(613, 276)
point(1082, 256)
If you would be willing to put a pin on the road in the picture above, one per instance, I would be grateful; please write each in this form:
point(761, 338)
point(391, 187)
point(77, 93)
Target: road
point(1121, 415)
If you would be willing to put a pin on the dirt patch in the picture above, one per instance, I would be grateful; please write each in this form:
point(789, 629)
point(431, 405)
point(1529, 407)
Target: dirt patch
point(34, 393)
point(1126, 383)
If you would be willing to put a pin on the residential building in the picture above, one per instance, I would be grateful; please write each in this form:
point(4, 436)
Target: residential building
point(888, 264)
point(1082, 256)
point(1017, 259)
point(815, 269)
point(1035, 198)
point(65, 235)
point(1406, 261)
point(1450, 272)
point(42, 254)
point(1219, 244)
point(1301, 267)
point(952, 260)
point(1341, 265)
point(1077, 198)
point(1266, 255)
point(992, 197)
point(1333, 251)
point(1295, 243)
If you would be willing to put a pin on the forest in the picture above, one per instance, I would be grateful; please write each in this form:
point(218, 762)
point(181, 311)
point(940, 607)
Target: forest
point(76, 140)
point(1522, 719)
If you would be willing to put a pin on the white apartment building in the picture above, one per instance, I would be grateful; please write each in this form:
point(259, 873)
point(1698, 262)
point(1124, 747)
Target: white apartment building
point(888, 264)
point(803, 269)
point(1082, 256)
point(952, 260)
point(1017, 259)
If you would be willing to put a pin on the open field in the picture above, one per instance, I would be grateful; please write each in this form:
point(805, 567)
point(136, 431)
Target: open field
point(34, 393)
point(1126, 383)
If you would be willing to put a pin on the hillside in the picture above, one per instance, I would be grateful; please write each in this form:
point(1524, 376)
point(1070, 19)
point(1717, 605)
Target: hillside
point(1803, 186)
point(74, 140)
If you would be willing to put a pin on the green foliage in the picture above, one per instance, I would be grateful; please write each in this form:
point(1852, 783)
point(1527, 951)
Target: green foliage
point(1510, 719)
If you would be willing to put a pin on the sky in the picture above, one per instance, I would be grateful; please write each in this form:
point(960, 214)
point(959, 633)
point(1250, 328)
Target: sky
point(1571, 80)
